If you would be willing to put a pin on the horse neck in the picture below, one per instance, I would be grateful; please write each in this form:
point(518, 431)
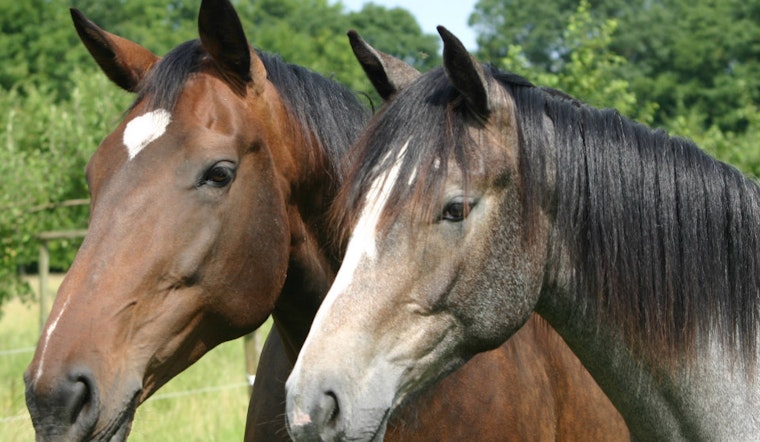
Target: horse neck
point(314, 257)
point(312, 264)
point(714, 400)
point(704, 392)
point(311, 269)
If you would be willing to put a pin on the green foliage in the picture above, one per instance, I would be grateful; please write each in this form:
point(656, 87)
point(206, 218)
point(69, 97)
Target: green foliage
point(535, 27)
point(34, 41)
point(691, 67)
point(156, 25)
point(740, 149)
point(681, 54)
point(397, 32)
point(312, 33)
point(45, 148)
point(592, 70)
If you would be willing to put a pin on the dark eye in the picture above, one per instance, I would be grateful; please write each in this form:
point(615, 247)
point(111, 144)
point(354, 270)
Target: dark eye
point(457, 209)
point(219, 175)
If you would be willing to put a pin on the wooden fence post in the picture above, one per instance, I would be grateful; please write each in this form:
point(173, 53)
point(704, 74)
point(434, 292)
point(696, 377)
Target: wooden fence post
point(44, 271)
point(252, 344)
point(44, 267)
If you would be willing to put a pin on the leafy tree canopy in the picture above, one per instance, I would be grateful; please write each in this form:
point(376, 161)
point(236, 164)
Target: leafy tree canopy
point(684, 55)
point(590, 72)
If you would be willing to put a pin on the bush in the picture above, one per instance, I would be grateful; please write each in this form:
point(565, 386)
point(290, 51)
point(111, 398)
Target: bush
point(46, 147)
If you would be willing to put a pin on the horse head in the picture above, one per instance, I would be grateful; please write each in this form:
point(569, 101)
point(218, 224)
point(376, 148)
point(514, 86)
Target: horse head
point(191, 227)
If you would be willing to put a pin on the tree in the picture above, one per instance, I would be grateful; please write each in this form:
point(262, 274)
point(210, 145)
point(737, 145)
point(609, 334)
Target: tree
point(45, 148)
point(682, 54)
point(157, 25)
point(591, 72)
point(35, 38)
point(312, 33)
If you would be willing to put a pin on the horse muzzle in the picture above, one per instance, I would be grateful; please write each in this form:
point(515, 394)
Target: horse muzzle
point(327, 410)
point(70, 409)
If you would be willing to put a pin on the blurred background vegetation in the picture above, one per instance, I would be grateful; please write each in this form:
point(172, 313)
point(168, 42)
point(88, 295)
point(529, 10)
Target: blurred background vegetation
point(690, 67)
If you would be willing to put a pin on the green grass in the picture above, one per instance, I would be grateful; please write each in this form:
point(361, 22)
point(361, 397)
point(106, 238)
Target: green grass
point(177, 412)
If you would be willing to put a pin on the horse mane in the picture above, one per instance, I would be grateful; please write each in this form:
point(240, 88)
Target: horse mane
point(664, 238)
point(329, 111)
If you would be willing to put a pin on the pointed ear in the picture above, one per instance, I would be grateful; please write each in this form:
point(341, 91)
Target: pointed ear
point(123, 61)
point(465, 73)
point(387, 73)
point(222, 35)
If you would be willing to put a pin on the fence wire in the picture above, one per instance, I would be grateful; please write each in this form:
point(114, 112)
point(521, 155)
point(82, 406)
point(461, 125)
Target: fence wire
point(158, 397)
point(16, 351)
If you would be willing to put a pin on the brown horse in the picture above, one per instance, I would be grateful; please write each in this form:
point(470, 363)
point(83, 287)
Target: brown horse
point(208, 206)
point(477, 199)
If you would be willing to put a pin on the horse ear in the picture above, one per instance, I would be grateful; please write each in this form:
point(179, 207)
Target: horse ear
point(222, 35)
point(123, 61)
point(388, 74)
point(465, 73)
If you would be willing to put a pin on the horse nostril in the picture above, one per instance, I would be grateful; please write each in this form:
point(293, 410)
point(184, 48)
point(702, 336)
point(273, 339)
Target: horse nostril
point(330, 409)
point(81, 401)
point(317, 418)
point(69, 408)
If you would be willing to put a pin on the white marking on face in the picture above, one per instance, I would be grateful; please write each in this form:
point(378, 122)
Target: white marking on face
point(46, 340)
point(145, 129)
point(362, 243)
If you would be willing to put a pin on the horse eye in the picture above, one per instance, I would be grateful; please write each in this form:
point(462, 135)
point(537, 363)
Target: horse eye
point(457, 209)
point(218, 176)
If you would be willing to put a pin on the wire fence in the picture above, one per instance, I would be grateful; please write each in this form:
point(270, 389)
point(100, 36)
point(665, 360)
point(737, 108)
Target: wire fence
point(17, 417)
point(157, 397)
point(16, 351)
point(12, 352)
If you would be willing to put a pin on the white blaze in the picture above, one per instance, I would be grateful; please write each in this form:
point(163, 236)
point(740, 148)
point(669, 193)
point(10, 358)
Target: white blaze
point(46, 340)
point(362, 243)
point(145, 129)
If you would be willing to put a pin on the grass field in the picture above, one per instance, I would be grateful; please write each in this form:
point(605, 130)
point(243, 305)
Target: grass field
point(207, 402)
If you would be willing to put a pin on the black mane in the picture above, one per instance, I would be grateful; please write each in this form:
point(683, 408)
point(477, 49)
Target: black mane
point(664, 237)
point(330, 111)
